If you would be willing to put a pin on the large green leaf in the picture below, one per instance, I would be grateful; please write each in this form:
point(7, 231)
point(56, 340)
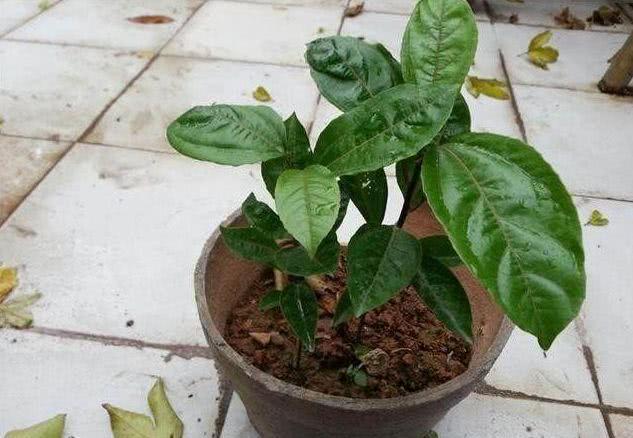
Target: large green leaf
point(439, 43)
point(250, 243)
point(384, 129)
point(297, 153)
point(445, 296)
point(297, 261)
point(381, 260)
point(342, 210)
point(513, 223)
point(441, 249)
point(348, 70)
point(263, 218)
point(52, 428)
point(228, 134)
point(308, 204)
point(299, 307)
point(368, 191)
point(459, 120)
point(344, 310)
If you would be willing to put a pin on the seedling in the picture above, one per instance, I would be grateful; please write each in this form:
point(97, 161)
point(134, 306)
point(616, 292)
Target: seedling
point(506, 214)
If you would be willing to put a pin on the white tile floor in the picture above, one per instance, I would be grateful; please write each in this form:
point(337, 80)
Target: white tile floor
point(112, 232)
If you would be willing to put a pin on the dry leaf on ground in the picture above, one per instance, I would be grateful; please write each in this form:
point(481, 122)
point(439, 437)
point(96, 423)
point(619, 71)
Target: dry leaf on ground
point(53, 428)
point(126, 424)
point(514, 18)
point(8, 281)
point(355, 7)
point(597, 219)
point(151, 19)
point(606, 16)
point(538, 53)
point(490, 87)
point(262, 95)
point(16, 313)
point(568, 20)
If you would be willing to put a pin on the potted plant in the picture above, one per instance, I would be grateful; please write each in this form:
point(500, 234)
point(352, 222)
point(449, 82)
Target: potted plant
point(322, 340)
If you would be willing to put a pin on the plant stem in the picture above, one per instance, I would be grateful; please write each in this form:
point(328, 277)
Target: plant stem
point(281, 279)
point(408, 197)
point(359, 330)
point(316, 282)
point(297, 356)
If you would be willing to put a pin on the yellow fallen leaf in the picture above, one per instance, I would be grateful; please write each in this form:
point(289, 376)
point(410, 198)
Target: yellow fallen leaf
point(261, 94)
point(8, 281)
point(53, 428)
point(43, 5)
point(540, 40)
point(597, 219)
point(15, 312)
point(490, 87)
point(538, 53)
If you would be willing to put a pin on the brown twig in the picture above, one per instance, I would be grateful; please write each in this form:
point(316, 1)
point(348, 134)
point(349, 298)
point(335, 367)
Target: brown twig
point(296, 360)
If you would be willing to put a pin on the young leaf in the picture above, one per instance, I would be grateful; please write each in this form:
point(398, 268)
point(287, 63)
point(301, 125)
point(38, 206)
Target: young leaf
point(597, 219)
point(8, 281)
point(439, 43)
point(404, 172)
point(381, 260)
point(514, 225)
point(441, 249)
point(15, 312)
point(348, 70)
point(384, 129)
point(228, 134)
point(297, 261)
point(540, 54)
point(368, 191)
point(445, 296)
point(270, 301)
point(52, 428)
point(126, 424)
point(299, 307)
point(261, 94)
point(344, 310)
point(308, 204)
point(297, 153)
point(250, 243)
point(263, 218)
point(489, 87)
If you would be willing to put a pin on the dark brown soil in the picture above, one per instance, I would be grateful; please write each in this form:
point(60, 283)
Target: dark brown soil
point(418, 352)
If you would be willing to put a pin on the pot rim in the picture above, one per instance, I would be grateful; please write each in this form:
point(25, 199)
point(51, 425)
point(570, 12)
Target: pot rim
point(283, 388)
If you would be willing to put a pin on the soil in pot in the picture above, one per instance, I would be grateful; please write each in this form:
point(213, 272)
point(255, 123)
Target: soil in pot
point(416, 351)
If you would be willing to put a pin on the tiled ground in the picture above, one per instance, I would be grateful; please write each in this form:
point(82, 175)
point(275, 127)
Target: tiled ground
point(101, 217)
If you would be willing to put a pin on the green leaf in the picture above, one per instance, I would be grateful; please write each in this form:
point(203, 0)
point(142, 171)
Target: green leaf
point(348, 70)
point(439, 43)
point(381, 260)
point(308, 204)
point(270, 301)
point(52, 428)
point(445, 296)
point(489, 87)
point(261, 94)
point(459, 120)
point(297, 153)
point(166, 424)
point(597, 219)
point(342, 210)
point(299, 307)
point(404, 172)
point(228, 134)
point(15, 312)
point(368, 191)
point(441, 249)
point(263, 218)
point(297, 261)
point(514, 225)
point(344, 310)
point(384, 129)
point(250, 243)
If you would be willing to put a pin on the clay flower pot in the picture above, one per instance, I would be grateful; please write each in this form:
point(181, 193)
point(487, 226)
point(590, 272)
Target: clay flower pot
point(281, 410)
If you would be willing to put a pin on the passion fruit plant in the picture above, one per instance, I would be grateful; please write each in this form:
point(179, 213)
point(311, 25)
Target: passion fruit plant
point(506, 214)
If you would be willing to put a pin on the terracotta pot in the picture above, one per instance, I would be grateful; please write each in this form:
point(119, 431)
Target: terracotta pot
point(281, 410)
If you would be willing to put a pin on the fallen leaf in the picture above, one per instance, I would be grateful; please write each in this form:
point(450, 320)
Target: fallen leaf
point(538, 53)
point(568, 20)
point(490, 87)
point(126, 424)
point(8, 281)
point(145, 54)
point(261, 94)
point(321, 30)
point(605, 16)
point(597, 219)
point(151, 19)
point(514, 18)
point(355, 8)
point(43, 5)
point(15, 313)
point(262, 338)
point(53, 428)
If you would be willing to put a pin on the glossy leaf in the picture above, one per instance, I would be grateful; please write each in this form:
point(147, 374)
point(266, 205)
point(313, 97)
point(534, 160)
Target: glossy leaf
point(381, 260)
point(228, 134)
point(514, 225)
point(342, 209)
point(384, 129)
point(299, 306)
point(250, 243)
point(445, 296)
point(348, 70)
point(308, 204)
point(297, 261)
point(344, 310)
point(439, 43)
point(441, 249)
point(270, 301)
point(459, 120)
point(52, 428)
point(368, 191)
point(404, 172)
point(263, 218)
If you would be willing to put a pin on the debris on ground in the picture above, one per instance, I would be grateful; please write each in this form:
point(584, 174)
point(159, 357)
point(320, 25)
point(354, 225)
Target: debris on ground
point(606, 16)
point(489, 87)
point(355, 8)
point(151, 19)
point(8, 281)
point(538, 53)
point(14, 312)
point(568, 20)
point(43, 5)
point(514, 18)
point(52, 428)
point(262, 95)
point(597, 219)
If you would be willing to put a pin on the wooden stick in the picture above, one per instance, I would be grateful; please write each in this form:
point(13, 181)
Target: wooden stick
point(620, 72)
